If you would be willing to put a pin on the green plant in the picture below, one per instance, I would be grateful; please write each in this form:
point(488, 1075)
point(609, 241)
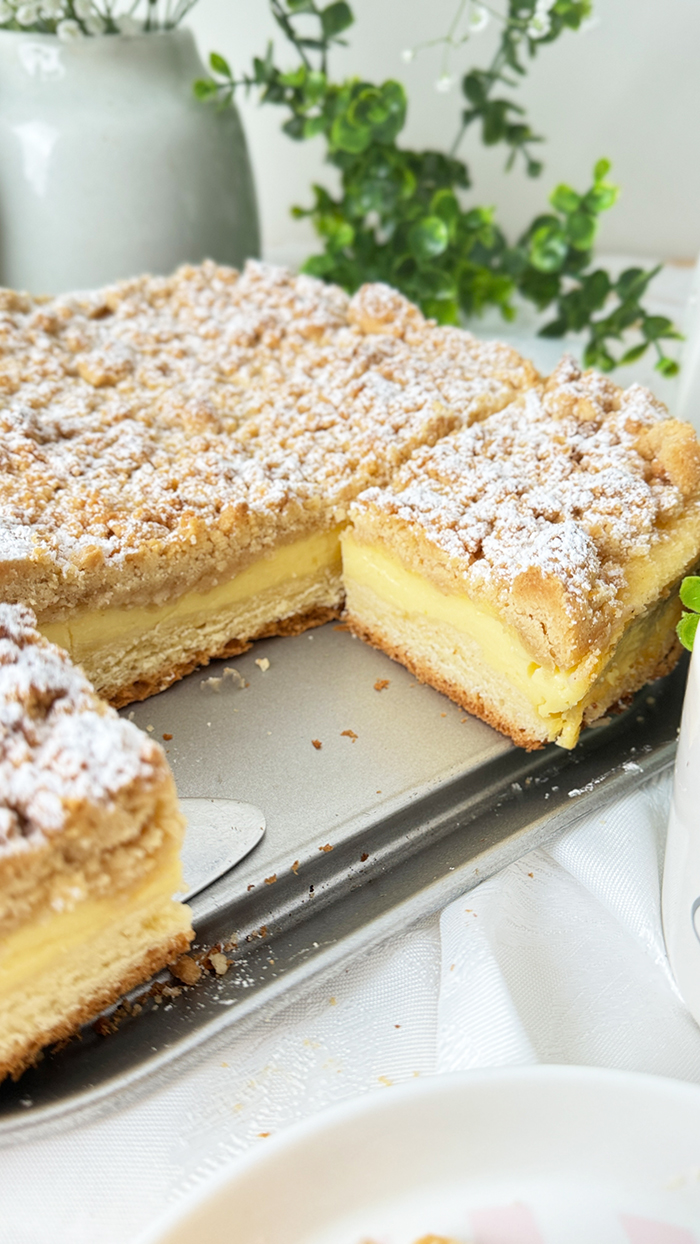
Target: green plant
point(690, 597)
point(401, 215)
point(73, 19)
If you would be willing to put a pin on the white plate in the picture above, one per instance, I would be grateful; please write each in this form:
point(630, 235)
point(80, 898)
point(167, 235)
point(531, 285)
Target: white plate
point(535, 1155)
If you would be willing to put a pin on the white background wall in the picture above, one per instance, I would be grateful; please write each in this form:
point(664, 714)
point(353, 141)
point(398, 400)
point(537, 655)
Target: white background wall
point(627, 88)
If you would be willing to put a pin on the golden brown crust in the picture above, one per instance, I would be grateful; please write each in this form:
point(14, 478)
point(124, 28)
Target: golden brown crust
point(119, 697)
point(152, 962)
point(421, 670)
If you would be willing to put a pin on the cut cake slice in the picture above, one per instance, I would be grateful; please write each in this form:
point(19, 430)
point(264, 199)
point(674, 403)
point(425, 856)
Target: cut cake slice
point(178, 454)
point(89, 849)
point(528, 566)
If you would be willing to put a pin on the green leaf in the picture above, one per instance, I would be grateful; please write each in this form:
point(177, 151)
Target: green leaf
point(428, 238)
point(667, 367)
point(301, 6)
point(336, 18)
point(686, 629)
point(205, 88)
point(690, 592)
point(581, 230)
point(601, 169)
point(475, 87)
point(555, 328)
point(635, 353)
point(564, 199)
point(548, 248)
point(220, 65)
point(656, 326)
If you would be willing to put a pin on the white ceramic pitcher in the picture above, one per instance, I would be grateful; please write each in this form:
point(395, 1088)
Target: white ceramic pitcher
point(110, 167)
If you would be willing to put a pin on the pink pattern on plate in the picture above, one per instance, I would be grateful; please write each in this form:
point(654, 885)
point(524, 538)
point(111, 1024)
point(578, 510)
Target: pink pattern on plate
point(511, 1224)
point(644, 1231)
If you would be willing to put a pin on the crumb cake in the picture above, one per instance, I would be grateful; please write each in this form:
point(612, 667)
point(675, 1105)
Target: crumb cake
point(178, 454)
point(528, 565)
point(89, 849)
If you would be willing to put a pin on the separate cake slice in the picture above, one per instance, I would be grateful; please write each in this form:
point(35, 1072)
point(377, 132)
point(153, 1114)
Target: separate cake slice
point(89, 849)
point(177, 455)
point(528, 565)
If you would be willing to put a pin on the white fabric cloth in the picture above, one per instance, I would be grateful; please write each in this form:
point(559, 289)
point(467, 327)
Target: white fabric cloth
point(560, 958)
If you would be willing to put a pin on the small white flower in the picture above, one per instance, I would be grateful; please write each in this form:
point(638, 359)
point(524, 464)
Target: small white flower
point(82, 8)
point(478, 18)
point(128, 25)
point(94, 25)
point(444, 83)
point(6, 12)
point(68, 30)
point(408, 55)
point(52, 9)
point(27, 14)
point(539, 26)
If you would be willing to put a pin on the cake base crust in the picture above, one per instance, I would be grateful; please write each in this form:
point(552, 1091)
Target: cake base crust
point(69, 1023)
point(659, 665)
point(119, 697)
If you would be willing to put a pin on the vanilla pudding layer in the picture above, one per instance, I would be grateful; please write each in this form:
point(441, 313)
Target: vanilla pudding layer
point(129, 653)
point(467, 651)
point(60, 969)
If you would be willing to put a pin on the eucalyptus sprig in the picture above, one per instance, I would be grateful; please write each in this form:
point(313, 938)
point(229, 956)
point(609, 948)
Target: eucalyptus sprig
point(690, 597)
point(401, 215)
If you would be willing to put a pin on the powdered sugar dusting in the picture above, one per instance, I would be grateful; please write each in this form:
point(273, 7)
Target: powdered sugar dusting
point(128, 414)
point(59, 744)
point(561, 483)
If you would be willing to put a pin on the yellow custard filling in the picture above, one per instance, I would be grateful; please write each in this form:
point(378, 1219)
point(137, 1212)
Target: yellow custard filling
point(53, 937)
point(559, 697)
point(86, 632)
point(549, 691)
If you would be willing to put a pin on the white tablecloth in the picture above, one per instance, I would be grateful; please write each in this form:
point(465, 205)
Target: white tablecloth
point(558, 959)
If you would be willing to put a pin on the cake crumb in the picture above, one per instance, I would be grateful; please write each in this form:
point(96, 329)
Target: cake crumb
point(364, 857)
point(317, 744)
point(186, 970)
point(237, 678)
point(271, 880)
point(219, 962)
point(150, 729)
point(327, 847)
point(251, 887)
point(262, 663)
point(381, 684)
point(295, 867)
point(348, 734)
point(211, 684)
point(167, 737)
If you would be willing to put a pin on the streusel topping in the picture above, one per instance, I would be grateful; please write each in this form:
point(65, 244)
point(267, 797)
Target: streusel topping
point(59, 744)
point(140, 412)
point(563, 487)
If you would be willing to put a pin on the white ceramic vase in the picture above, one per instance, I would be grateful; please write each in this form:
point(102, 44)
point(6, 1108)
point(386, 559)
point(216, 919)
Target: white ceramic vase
point(681, 884)
point(110, 167)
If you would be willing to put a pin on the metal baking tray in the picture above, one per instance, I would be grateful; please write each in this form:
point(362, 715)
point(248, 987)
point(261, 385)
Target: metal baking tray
point(365, 834)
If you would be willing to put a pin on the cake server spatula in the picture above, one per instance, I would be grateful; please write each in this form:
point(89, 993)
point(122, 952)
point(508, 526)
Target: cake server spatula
point(220, 832)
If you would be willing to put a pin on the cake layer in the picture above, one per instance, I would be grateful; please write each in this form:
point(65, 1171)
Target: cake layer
point(159, 436)
point(127, 653)
point(473, 657)
point(60, 971)
point(90, 834)
point(541, 549)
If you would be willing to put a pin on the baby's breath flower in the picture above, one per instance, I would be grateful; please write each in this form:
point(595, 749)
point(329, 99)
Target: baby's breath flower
point(68, 30)
point(82, 8)
point(28, 14)
point(444, 83)
point(6, 11)
point(51, 9)
point(94, 25)
point(408, 55)
point(478, 17)
point(540, 23)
